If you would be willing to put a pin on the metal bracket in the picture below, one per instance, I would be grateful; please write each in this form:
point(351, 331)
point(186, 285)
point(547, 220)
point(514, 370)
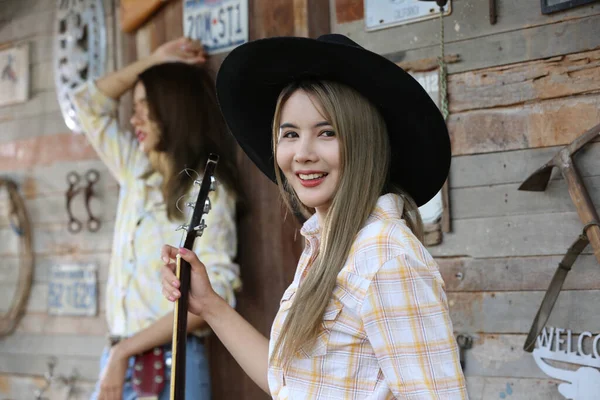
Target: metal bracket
point(92, 176)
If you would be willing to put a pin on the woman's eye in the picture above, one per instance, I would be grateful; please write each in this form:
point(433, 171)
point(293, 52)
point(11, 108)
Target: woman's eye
point(328, 133)
point(290, 134)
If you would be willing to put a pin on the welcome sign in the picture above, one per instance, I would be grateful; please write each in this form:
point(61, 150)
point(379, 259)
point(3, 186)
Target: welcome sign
point(574, 359)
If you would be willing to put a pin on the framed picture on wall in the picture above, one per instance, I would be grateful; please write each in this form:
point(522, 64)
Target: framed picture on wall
point(550, 6)
point(14, 74)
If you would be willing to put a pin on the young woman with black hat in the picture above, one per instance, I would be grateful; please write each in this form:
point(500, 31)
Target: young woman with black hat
point(356, 145)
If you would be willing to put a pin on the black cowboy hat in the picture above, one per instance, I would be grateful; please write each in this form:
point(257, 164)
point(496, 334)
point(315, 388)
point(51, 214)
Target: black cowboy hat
point(253, 75)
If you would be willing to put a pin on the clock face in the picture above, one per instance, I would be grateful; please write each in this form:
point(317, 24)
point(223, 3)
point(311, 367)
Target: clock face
point(79, 50)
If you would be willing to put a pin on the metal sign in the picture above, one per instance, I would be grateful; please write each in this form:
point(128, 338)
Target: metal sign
point(79, 50)
point(380, 14)
point(221, 25)
point(73, 290)
point(583, 350)
point(550, 6)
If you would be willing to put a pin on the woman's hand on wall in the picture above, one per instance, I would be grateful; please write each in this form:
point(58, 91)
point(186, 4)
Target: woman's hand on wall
point(183, 50)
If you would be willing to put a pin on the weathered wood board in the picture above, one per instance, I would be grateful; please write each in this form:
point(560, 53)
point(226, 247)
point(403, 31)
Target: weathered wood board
point(518, 388)
point(464, 274)
point(510, 236)
point(517, 84)
point(521, 34)
point(38, 298)
point(541, 124)
point(35, 364)
point(21, 387)
point(515, 166)
point(55, 239)
point(513, 312)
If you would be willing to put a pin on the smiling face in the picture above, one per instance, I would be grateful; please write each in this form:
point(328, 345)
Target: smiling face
point(308, 152)
point(145, 129)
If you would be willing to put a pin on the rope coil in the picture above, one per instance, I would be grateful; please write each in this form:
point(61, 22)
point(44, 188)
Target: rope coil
point(20, 224)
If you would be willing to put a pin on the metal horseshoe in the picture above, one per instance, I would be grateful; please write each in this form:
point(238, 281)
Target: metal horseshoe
point(92, 176)
point(74, 224)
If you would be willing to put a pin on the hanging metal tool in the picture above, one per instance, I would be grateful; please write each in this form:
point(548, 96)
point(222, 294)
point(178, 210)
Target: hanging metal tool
point(465, 342)
point(92, 176)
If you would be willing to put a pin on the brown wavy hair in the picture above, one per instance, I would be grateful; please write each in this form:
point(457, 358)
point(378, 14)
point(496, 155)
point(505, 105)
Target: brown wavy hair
point(182, 102)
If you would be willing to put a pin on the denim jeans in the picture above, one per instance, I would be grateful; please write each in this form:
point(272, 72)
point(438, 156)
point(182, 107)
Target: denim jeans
point(197, 377)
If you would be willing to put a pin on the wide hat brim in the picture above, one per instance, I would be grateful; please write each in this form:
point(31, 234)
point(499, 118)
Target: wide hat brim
point(253, 75)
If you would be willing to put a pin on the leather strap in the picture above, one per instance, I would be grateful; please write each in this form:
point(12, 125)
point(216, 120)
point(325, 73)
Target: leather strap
point(555, 286)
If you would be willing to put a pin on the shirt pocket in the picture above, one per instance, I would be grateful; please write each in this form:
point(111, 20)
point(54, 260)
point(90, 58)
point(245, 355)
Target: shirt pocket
point(330, 317)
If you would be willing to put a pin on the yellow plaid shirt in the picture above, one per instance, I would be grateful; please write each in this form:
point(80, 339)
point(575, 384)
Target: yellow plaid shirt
point(386, 332)
point(133, 294)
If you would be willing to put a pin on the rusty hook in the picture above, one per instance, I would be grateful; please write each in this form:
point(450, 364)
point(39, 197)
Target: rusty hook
point(92, 176)
point(73, 178)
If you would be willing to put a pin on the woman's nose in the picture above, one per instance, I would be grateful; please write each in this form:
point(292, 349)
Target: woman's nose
point(305, 151)
point(134, 120)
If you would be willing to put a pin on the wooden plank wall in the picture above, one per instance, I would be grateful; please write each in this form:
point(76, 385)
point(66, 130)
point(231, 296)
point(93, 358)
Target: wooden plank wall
point(523, 86)
point(37, 150)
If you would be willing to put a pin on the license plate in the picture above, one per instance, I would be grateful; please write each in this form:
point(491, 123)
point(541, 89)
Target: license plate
point(384, 14)
point(73, 290)
point(221, 25)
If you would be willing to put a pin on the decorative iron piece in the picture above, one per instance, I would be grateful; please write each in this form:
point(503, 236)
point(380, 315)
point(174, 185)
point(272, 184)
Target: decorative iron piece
point(79, 50)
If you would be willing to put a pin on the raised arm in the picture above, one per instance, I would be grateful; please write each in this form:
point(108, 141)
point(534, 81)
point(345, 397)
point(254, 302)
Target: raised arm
point(248, 346)
point(96, 107)
point(185, 50)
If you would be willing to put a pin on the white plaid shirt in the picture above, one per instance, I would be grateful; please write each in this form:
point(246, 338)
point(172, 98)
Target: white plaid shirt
point(133, 292)
point(386, 331)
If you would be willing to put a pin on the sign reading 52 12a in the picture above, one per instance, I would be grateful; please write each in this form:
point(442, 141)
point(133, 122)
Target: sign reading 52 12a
point(221, 25)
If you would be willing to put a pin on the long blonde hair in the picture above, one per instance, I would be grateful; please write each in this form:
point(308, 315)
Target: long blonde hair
point(365, 160)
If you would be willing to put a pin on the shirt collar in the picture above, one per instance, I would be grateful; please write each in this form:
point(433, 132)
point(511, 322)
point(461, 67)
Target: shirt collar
point(389, 206)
